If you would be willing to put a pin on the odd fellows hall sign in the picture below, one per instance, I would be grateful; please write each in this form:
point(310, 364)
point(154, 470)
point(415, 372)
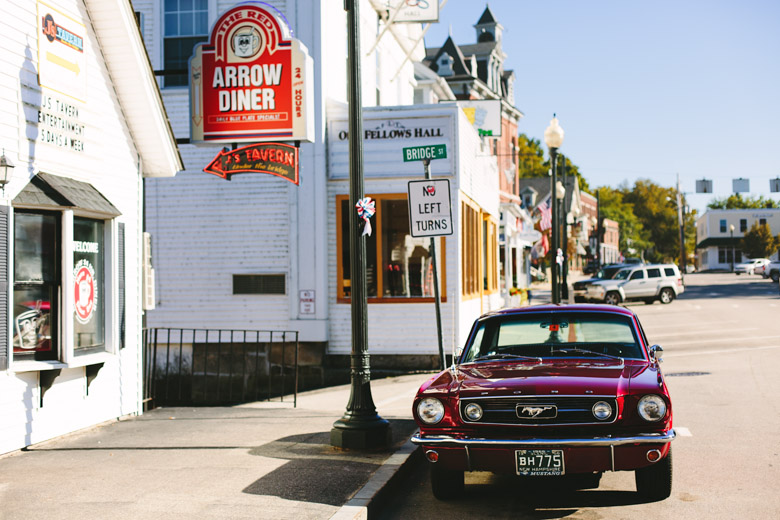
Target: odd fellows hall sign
point(251, 83)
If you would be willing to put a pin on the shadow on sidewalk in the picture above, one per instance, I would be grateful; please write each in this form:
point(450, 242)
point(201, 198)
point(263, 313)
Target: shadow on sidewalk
point(317, 472)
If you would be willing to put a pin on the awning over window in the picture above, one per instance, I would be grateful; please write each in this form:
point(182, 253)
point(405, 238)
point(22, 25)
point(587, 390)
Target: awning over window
point(719, 242)
point(54, 192)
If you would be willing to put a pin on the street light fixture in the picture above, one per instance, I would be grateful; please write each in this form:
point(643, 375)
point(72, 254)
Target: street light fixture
point(553, 138)
point(731, 228)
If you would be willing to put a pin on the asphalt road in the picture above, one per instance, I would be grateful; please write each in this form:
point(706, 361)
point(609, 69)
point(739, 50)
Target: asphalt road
point(722, 361)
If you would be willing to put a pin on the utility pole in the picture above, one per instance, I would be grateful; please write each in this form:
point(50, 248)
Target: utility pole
point(681, 225)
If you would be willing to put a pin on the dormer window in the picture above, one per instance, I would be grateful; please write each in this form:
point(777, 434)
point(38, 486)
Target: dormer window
point(444, 63)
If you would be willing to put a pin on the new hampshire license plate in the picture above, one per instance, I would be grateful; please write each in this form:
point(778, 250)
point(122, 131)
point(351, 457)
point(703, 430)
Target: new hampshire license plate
point(533, 463)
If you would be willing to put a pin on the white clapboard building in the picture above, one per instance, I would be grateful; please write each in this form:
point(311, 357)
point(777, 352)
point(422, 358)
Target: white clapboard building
point(290, 240)
point(83, 124)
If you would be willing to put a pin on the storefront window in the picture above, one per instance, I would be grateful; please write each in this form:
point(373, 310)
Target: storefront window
point(397, 264)
point(88, 278)
point(36, 285)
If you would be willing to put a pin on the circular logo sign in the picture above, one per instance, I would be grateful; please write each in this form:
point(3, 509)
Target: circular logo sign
point(85, 291)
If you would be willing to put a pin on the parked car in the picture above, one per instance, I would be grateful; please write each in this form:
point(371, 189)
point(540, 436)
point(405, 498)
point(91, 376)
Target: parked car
point(646, 283)
point(565, 391)
point(751, 266)
point(771, 270)
point(579, 288)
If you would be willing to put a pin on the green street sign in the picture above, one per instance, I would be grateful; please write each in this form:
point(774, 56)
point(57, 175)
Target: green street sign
point(422, 153)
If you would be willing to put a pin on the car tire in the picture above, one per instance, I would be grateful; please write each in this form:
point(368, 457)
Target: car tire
point(579, 299)
point(666, 296)
point(775, 276)
point(446, 484)
point(612, 298)
point(654, 483)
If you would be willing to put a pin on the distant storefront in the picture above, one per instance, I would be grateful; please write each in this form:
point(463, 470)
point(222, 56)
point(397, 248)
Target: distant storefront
point(720, 231)
point(90, 126)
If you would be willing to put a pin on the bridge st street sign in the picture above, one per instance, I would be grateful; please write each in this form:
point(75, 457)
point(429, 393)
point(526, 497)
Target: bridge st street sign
point(422, 153)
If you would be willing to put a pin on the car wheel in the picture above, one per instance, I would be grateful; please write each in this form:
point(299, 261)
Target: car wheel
point(654, 482)
point(446, 483)
point(579, 299)
point(666, 296)
point(612, 298)
point(775, 276)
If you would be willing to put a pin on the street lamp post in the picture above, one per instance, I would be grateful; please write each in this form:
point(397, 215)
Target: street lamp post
point(731, 229)
point(553, 137)
point(361, 426)
point(565, 241)
point(561, 195)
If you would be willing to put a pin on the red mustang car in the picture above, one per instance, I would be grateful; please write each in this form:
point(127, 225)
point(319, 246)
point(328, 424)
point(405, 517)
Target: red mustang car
point(547, 391)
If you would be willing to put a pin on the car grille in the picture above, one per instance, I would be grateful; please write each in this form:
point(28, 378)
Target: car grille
point(579, 286)
point(569, 410)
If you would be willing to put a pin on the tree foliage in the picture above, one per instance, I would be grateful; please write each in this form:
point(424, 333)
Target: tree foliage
point(737, 201)
point(532, 162)
point(648, 219)
point(758, 242)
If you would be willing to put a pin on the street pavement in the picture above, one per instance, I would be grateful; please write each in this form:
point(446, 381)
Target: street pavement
point(258, 460)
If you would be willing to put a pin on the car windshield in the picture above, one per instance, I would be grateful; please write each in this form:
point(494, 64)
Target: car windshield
point(622, 275)
point(556, 334)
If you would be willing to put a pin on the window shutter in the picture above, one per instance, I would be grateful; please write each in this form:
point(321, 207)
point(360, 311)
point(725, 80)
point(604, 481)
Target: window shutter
point(121, 283)
point(4, 261)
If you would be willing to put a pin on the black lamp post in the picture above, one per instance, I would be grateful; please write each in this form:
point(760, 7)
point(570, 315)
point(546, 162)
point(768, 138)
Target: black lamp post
point(360, 427)
point(731, 229)
point(553, 137)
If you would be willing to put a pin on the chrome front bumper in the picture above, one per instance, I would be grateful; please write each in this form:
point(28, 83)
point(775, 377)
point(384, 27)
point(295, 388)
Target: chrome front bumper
point(446, 440)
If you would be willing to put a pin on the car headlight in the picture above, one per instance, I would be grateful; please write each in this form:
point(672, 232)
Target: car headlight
point(473, 412)
point(602, 411)
point(652, 408)
point(430, 410)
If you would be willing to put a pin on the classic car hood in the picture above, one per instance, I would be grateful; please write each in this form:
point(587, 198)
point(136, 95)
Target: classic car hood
point(569, 377)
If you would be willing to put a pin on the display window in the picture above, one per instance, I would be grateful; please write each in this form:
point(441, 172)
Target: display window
point(399, 267)
point(36, 285)
point(89, 317)
point(46, 298)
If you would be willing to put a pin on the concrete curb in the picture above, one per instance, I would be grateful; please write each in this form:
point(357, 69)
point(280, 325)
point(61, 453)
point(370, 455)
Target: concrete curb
point(372, 494)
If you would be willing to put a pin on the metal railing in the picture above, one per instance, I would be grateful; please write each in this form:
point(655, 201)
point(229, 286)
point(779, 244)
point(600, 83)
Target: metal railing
point(210, 367)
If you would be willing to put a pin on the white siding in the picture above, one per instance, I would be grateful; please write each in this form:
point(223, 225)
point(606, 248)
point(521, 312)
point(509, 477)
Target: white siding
point(108, 162)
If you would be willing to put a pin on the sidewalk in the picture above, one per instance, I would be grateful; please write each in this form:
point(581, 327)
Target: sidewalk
point(259, 460)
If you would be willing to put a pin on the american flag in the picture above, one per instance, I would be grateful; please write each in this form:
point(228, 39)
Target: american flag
point(544, 208)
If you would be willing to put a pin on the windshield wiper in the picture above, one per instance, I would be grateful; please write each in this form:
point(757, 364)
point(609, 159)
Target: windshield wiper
point(506, 356)
point(583, 351)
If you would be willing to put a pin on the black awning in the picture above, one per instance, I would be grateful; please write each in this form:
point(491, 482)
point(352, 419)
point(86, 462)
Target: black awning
point(52, 191)
point(719, 242)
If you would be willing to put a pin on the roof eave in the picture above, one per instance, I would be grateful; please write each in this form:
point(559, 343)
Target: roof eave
point(134, 82)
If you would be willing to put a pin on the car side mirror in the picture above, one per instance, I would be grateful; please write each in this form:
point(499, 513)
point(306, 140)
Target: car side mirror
point(458, 352)
point(656, 352)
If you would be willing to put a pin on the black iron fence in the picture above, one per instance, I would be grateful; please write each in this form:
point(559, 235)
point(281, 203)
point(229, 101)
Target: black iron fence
point(214, 367)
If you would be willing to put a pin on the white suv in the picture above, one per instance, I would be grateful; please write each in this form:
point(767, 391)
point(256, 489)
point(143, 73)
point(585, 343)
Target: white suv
point(643, 282)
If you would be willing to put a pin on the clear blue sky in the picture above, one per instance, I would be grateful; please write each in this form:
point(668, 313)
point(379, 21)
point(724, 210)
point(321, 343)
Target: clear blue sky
point(645, 89)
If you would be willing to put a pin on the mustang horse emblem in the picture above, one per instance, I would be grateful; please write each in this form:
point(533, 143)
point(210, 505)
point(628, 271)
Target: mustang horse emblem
point(534, 411)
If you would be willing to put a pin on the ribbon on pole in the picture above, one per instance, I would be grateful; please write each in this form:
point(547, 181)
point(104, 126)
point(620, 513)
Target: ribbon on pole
point(366, 209)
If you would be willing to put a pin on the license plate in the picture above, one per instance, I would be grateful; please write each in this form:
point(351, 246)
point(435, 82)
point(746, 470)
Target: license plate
point(535, 463)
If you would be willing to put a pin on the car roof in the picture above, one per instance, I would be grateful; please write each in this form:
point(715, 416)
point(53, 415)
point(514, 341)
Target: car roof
point(562, 307)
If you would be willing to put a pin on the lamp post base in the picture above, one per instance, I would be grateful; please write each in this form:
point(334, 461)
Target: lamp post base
point(361, 433)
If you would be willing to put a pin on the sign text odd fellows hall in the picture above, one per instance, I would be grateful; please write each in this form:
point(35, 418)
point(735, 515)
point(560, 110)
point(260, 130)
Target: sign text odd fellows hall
point(252, 81)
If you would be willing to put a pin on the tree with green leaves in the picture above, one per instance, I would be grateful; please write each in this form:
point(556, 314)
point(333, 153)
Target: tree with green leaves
point(758, 242)
point(737, 201)
point(532, 162)
point(633, 236)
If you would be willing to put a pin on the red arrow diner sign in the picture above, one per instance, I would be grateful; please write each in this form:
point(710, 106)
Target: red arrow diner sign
point(274, 158)
point(251, 81)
